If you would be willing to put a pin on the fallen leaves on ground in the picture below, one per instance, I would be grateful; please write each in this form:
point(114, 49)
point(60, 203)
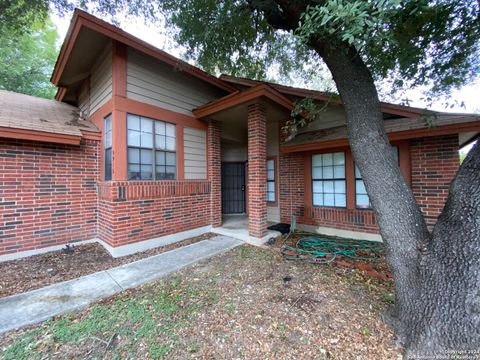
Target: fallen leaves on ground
point(248, 303)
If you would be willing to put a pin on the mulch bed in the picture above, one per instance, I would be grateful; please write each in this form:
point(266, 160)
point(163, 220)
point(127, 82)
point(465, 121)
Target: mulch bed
point(37, 271)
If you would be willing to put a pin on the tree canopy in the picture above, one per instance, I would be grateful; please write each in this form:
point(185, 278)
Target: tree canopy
point(414, 43)
point(27, 60)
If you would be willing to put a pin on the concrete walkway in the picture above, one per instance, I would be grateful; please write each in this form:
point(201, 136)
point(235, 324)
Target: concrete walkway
point(38, 305)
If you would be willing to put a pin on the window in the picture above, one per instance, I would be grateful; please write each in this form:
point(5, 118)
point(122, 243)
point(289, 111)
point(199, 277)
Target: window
point(362, 200)
point(107, 146)
point(328, 180)
point(271, 181)
point(151, 149)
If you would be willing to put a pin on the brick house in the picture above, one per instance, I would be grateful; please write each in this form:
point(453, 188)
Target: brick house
point(140, 149)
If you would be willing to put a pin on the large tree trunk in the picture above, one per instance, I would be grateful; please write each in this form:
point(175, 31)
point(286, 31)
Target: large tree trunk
point(448, 301)
point(400, 220)
point(437, 276)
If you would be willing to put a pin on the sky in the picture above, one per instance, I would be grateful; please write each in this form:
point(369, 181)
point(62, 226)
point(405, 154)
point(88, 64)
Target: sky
point(469, 95)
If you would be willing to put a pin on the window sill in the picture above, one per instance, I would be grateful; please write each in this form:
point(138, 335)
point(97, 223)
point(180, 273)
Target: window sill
point(328, 207)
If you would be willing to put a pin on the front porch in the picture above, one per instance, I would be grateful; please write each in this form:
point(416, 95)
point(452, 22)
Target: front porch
point(236, 226)
point(243, 133)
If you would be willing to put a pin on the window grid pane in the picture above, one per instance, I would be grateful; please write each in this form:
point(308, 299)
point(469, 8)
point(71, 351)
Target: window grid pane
point(328, 180)
point(165, 167)
point(361, 197)
point(271, 181)
point(107, 145)
point(145, 137)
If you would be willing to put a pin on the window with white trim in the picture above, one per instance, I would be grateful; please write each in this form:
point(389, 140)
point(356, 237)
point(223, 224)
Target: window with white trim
point(328, 180)
point(107, 147)
point(270, 181)
point(362, 201)
point(151, 149)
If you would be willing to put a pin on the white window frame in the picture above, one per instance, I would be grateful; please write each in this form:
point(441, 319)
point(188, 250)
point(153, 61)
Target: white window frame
point(271, 181)
point(360, 190)
point(107, 148)
point(154, 140)
point(329, 182)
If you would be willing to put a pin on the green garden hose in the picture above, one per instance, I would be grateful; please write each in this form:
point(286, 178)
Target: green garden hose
point(316, 249)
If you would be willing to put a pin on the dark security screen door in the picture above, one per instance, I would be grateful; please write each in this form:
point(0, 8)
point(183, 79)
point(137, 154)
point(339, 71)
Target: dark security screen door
point(233, 187)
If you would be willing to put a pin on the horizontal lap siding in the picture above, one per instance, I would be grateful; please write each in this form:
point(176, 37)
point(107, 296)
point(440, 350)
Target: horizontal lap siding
point(195, 153)
point(155, 83)
point(84, 99)
point(97, 89)
point(101, 81)
point(332, 117)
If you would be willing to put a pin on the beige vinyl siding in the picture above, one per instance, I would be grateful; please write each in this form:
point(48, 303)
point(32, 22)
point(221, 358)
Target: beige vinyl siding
point(83, 99)
point(195, 153)
point(155, 83)
point(334, 116)
point(101, 81)
point(97, 89)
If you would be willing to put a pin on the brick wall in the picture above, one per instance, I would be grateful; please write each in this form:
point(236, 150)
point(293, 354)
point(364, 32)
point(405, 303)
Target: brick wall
point(292, 186)
point(214, 169)
point(257, 171)
point(340, 218)
point(434, 162)
point(135, 211)
point(47, 194)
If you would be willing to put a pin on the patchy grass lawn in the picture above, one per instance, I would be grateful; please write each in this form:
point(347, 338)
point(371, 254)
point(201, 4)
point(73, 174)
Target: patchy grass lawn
point(233, 306)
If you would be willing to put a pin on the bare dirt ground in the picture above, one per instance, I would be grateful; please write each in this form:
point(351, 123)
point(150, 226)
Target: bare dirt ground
point(37, 271)
point(248, 303)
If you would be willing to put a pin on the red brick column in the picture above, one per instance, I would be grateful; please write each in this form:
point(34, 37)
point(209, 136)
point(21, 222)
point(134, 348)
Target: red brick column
point(257, 173)
point(292, 183)
point(434, 162)
point(215, 172)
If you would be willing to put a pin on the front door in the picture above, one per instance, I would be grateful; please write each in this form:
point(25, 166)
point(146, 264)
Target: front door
point(233, 187)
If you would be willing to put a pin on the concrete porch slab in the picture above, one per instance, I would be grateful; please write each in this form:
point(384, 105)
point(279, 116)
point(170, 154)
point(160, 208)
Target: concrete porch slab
point(236, 226)
point(38, 305)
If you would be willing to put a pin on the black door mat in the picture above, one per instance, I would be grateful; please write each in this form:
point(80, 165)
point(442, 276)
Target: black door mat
point(281, 227)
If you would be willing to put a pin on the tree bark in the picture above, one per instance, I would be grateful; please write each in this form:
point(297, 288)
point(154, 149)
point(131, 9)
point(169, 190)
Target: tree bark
point(437, 276)
point(448, 301)
point(400, 220)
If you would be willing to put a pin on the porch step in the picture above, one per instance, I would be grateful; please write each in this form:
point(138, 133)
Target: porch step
point(38, 305)
point(242, 234)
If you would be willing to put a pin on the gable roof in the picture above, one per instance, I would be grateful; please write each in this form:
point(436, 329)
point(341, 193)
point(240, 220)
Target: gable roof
point(394, 109)
point(397, 129)
point(32, 118)
point(82, 20)
point(234, 86)
point(241, 97)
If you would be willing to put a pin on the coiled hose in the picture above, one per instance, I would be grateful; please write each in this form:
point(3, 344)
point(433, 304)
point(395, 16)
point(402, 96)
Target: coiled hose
point(316, 249)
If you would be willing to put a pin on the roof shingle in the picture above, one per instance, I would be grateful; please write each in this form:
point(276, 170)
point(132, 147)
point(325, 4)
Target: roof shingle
point(391, 126)
point(19, 111)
